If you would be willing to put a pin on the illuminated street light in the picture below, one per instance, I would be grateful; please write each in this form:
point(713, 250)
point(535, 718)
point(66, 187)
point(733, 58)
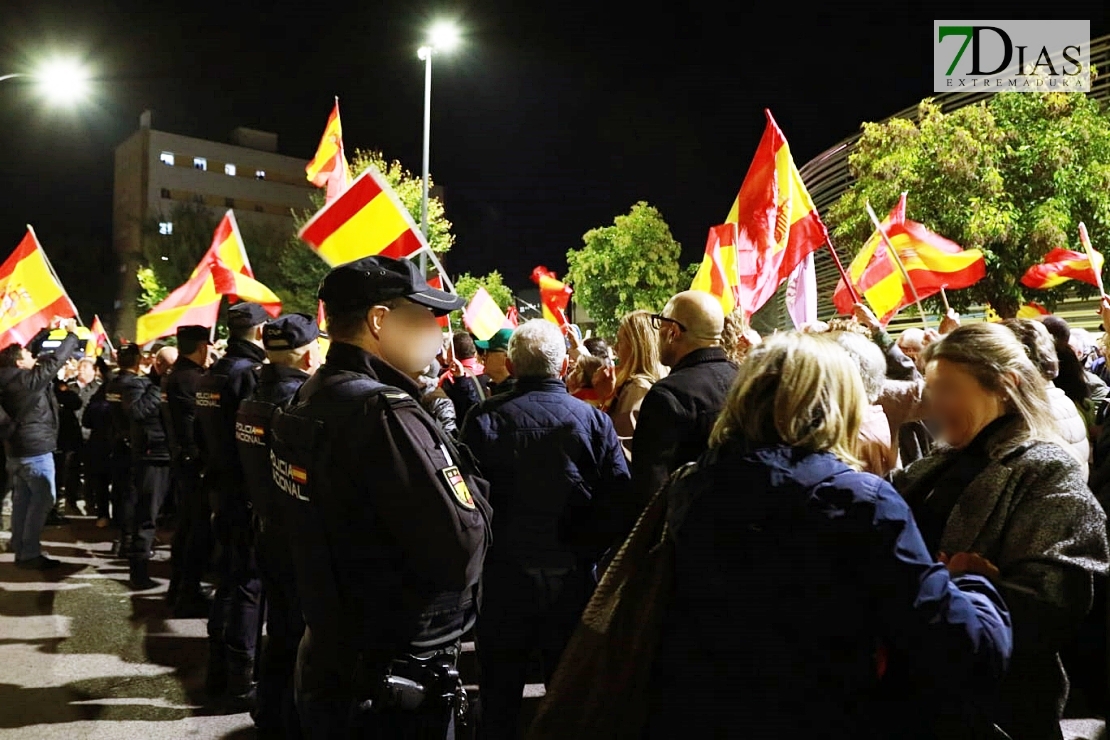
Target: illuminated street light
point(442, 38)
point(59, 81)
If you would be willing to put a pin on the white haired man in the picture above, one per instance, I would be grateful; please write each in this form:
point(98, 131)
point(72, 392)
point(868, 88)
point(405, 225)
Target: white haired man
point(553, 463)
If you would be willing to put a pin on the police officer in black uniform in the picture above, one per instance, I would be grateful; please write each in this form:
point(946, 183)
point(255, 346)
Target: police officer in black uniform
point(127, 383)
point(192, 541)
point(293, 351)
point(150, 466)
point(233, 622)
point(388, 517)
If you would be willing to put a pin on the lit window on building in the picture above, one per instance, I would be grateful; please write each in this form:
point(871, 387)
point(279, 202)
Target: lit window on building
point(166, 158)
point(229, 169)
point(260, 174)
point(200, 163)
point(165, 228)
point(165, 192)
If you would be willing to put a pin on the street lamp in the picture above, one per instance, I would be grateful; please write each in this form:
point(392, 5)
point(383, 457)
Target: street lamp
point(442, 38)
point(60, 81)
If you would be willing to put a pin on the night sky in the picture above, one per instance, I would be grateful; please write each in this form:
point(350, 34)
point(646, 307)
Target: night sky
point(551, 118)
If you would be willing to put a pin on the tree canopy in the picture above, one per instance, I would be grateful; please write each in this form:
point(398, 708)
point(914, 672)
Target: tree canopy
point(1013, 176)
point(633, 264)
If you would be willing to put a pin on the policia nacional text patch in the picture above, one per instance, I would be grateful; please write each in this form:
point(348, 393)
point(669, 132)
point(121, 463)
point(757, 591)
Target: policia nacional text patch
point(455, 480)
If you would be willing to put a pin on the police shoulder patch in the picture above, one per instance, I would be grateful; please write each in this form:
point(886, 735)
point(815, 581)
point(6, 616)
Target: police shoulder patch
point(457, 484)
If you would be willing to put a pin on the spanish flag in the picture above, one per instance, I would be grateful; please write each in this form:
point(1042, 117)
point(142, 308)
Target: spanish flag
point(329, 167)
point(31, 296)
point(224, 270)
point(366, 220)
point(98, 336)
point(719, 273)
point(554, 295)
point(1062, 265)
point(932, 262)
point(483, 317)
point(778, 223)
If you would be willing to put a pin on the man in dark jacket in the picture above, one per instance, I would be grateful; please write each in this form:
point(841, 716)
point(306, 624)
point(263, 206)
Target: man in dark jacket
point(553, 463)
point(233, 622)
point(192, 540)
point(293, 351)
point(27, 397)
point(679, 411)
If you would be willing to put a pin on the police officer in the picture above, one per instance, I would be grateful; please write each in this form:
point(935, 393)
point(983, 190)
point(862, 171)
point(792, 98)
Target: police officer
point(150, 461)
point(233, 622)
point(388, 517)
point(193, 540)
point(293, 351)
point(127, 384)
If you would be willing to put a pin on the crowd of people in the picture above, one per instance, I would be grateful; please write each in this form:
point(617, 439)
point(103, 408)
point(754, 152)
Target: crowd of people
point(872, 536)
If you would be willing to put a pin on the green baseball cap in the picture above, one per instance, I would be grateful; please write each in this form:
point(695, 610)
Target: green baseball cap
point(499, 342)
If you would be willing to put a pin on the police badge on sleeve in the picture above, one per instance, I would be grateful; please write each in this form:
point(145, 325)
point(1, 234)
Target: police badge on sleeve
point(457, 483)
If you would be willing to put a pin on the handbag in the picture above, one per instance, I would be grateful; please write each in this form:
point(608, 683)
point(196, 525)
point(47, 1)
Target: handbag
point(601, 685)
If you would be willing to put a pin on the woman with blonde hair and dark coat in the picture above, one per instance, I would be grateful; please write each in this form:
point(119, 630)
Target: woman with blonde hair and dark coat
point(1006, 499)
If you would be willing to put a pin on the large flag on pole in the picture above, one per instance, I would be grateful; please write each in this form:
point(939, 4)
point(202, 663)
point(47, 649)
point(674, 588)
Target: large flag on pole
point(98, 336)
point(719, 273)
point(778, 223)
point(483, 317)
point(554, 295)
point(31, 296)
point(224, 270)
point(329, 167)
point(932, 263)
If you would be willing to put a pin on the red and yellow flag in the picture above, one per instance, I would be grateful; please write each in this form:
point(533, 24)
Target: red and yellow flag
point(329, 167)
point(554, 295)
point(718, 273)
point(31, 296)
point(436, 281)
point(483, 317)
point(1062, 265)
point(777, 222)
point(224, 270)
point(98, 336)
point(932, 262)
point(367, 220)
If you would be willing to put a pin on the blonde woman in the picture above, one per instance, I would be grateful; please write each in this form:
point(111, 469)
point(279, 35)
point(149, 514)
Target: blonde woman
point(637, 370)
point(738, 338)
point(791, 568)
point(1004, 487)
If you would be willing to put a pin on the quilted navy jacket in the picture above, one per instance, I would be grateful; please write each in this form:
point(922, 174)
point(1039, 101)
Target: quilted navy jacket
point(554, 464)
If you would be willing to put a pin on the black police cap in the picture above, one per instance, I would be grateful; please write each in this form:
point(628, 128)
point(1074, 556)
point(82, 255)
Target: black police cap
point(129, 355)
point(375, 279)
point(194, 333)
point(245, 315)
point(290, 332)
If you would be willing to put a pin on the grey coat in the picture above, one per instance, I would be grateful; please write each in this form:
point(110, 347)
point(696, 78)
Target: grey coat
point(1031, 514)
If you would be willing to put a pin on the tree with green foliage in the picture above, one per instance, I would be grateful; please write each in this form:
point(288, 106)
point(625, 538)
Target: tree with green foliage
point(301, 270)
point(466, 285)
point(633, 264)
point(1013, 176)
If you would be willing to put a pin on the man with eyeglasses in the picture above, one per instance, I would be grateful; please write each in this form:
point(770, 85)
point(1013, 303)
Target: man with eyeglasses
point(679, 411)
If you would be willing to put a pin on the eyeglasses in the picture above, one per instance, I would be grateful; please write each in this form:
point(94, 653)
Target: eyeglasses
point(657, 321)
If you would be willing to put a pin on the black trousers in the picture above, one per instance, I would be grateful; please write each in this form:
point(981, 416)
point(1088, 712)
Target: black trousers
point(122, 482)
point(192, 541)
point(235, 610)
point(98, 479)
point(524, 611)
point(284, 629)
point(151, 483)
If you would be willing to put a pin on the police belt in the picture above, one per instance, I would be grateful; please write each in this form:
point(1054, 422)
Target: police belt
point(416, 683)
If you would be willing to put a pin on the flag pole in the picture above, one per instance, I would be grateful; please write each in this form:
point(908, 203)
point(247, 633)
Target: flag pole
point(53, 274)
point(744, 326)
point(898, 261)
point(1086, 241)
point(843, 274)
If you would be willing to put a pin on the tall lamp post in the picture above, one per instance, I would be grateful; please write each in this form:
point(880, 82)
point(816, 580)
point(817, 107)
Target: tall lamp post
point(60, 81)
point(442, 38)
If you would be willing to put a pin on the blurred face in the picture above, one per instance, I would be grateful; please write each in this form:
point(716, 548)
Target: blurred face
point(86, 373)
point(25, 361)
point(409, 338)
point(314, 358)
point(959, 404)
point(623, 349)
point(497, 365)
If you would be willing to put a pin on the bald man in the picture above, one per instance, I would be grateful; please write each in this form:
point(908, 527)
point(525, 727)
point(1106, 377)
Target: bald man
point(679, 411)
